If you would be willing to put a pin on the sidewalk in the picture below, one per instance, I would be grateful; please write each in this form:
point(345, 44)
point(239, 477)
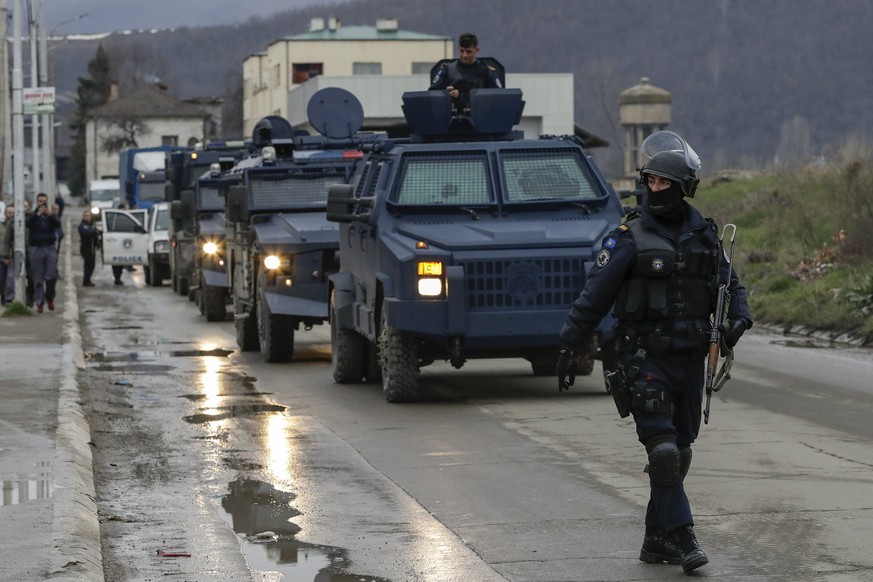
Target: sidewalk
point(49, 515)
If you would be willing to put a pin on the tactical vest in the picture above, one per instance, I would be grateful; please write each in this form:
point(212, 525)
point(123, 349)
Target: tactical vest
point(670, 285)
point(472, 77)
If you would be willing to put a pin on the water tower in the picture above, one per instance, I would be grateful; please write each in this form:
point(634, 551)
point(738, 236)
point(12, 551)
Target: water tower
point(643, 109)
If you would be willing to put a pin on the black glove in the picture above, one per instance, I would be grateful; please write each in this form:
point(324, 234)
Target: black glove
point(732, 331)
point(566, 369)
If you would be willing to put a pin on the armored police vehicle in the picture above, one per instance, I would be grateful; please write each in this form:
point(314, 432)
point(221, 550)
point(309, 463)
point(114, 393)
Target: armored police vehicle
point(183, 169)
point(280, 249)
point(464, 241)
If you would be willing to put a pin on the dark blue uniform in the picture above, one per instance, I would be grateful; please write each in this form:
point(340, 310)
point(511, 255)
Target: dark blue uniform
point(463, 77)
point(661, 295)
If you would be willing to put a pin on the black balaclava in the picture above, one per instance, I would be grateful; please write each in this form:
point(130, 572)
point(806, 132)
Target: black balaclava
point(666, 203)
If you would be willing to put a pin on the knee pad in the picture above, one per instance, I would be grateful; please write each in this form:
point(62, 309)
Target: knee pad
point(664, 461)
point(684, 461)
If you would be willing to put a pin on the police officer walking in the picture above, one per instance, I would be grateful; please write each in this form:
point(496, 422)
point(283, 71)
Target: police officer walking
point(658, 273)
point(467, 72)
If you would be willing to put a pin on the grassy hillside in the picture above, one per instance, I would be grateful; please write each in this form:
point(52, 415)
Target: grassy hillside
point(804, 245)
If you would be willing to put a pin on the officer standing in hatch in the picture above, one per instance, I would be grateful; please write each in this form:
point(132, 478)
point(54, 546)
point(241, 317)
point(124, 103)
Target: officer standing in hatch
point(466, 72)
point(658, 271)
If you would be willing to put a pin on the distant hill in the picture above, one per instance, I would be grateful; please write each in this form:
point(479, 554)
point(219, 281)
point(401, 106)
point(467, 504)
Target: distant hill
point(753, 83)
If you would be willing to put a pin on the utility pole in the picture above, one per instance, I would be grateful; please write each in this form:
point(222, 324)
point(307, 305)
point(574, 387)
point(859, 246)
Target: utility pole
point(34, 119)
point(48, 124)
point(5, 113)
point(18, 161)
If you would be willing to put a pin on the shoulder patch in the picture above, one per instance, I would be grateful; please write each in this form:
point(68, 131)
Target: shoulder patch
point(602, 258)
point(609, 243)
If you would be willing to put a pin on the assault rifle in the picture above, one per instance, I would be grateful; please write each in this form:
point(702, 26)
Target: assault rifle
point(715, 381)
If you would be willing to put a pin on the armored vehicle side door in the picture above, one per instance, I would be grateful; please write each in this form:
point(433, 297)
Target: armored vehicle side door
point(125, 240)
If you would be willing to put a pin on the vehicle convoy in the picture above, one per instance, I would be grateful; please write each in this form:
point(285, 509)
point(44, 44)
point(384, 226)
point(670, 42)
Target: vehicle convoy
point(198, 227)
point(464, 241)
point(103, 193)
point(280, 248)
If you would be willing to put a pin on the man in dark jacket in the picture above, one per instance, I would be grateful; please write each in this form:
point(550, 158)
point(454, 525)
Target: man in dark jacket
point(658, 273)
point(89, 242)
point(467, 72)
point(42, 228)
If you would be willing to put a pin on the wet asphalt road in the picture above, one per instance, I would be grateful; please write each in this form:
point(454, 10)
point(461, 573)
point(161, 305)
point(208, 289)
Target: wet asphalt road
point(199, 448)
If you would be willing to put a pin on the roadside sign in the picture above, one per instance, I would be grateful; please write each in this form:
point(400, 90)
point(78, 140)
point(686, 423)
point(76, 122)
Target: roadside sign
point(38, 100)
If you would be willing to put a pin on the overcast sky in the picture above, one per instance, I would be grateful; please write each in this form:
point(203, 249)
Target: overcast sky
point(63, 16)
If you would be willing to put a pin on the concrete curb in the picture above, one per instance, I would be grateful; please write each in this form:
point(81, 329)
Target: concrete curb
point(76, 552)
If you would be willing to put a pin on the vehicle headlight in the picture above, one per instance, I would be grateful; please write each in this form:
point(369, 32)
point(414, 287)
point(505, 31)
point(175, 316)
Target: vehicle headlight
point(210, 248)
point(430, 283)
point(162, 246)
point(272, 262)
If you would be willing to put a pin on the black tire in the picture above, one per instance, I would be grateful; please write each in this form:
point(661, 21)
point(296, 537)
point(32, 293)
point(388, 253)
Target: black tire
point(544, 366)
point(191, 294)
point(246, 328)
point(585, 366)
point(174, 282)
point(348, 351)
point(153, 274)
point(275, 334)
point(212, 302)
point(183, 286)
point(147, 274)
point(398, 353)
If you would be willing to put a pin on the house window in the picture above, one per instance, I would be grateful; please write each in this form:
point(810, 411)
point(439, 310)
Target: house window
point(169, 140)
point(366, 68)
point(302, 72)
point(421, 68)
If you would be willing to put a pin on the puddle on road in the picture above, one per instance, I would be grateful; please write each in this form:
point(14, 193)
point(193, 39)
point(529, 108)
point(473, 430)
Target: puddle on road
point(260, 514)
point(236, 410)
point(153, 355)
point(23, 488)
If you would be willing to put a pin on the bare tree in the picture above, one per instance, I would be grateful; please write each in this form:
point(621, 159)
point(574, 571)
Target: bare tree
point(127, 129)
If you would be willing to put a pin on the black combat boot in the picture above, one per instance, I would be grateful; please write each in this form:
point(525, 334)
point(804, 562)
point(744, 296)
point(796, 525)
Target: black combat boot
point(692, 556)
point(658, 548)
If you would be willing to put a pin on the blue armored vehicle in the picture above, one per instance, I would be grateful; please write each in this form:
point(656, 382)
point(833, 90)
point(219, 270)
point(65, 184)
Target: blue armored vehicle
point(183, 169)
point(280, 248)
point(463, 241)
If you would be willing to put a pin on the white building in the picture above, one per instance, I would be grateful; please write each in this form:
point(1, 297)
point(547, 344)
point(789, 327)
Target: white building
point(159, 119)
point(378, 64)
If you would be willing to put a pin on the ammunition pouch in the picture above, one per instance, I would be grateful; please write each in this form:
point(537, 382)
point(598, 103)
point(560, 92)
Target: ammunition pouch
point(649, 400)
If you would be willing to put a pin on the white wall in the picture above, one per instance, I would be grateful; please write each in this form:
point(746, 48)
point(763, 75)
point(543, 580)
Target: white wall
point(99, 163)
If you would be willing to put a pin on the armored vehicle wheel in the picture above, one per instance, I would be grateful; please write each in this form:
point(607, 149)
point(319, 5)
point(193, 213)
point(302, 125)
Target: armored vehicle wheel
point(147, 274)
point(183, 286)
point(348, 351)
point(212, 303)
point(543, 366)
point(585, 365)
point(174, 282)
point(153, 274)
point(246, 327)
point(275, 333)
point(398, 353)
